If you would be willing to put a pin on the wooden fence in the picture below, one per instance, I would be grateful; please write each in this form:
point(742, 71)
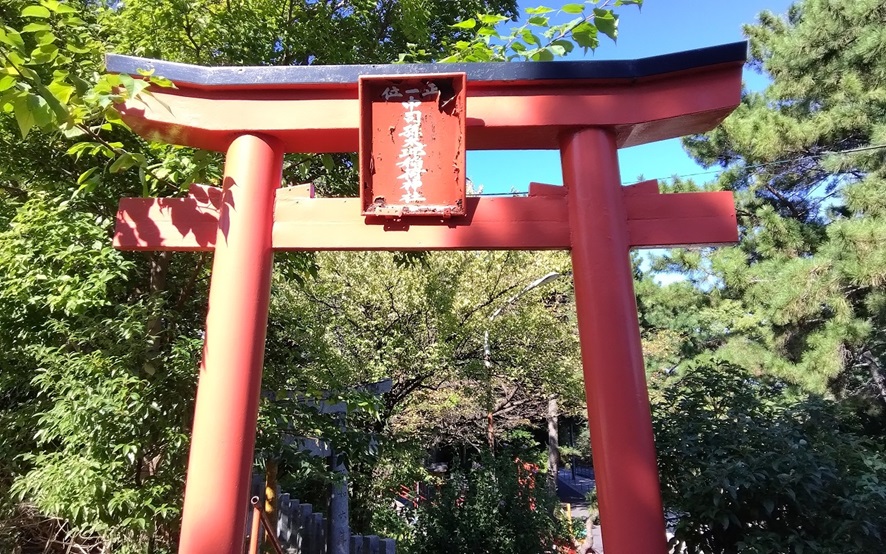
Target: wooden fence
point(300, 530)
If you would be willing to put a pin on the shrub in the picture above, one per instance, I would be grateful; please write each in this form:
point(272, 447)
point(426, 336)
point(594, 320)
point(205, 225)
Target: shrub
point(749, 466)
point(488, 510)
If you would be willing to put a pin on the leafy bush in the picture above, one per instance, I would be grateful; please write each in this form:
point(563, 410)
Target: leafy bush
point(488, 510)
point(92, 401)
point(747, 466)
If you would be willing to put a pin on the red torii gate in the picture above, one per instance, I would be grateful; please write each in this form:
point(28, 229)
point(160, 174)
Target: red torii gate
point(587, 110)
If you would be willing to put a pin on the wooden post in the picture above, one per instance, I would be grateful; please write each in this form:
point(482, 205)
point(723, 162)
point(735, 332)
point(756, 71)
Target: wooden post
point(339, 524)
point(321, 534)
point(271, 492)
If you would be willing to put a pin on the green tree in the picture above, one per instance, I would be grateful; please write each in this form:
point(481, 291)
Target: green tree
point(493, 508)
point(368, 317)
point(99, 348)
point(778, 448)
point(748, 465)
point(802, 296)
point(546, 34)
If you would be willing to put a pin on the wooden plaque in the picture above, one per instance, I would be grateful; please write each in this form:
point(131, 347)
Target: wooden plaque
point(412, 145)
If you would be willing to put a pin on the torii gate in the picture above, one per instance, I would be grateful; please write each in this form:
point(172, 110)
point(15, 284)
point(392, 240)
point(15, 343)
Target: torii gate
point(416, 201)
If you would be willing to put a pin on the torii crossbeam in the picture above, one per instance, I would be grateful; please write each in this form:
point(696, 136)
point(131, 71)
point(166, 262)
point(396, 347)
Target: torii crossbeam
point(587, 110)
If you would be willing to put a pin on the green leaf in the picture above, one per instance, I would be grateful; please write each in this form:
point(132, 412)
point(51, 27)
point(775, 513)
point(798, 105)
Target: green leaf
point(40, 110)
point(133, 86)
point(61, 91)
point(34, 27)
point(113, 116)
point(12, 38)
point(44, 37)
point(142, 178)
point(122, 163)
point(539, 10)
point(466, 24)
point(63, 8)
point(44, 54)
point(529, 37)
point(86, 174)
point(538, 21)
point(607, 22)
point(161, 81)
point(73, 132)
point(23, 115)
point(573, 8)
point(81, 85)
point(490, 19)
point(543, 55)
point(76, 49)
point(128, 83)
point(557, 49)
point(61, 112)
point(35, 11)
point(566, 45)
point(7, 82)
point(585, 35)
point(81, 148)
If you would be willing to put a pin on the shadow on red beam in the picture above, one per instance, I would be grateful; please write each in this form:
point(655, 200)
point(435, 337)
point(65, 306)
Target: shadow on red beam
point(538, 222)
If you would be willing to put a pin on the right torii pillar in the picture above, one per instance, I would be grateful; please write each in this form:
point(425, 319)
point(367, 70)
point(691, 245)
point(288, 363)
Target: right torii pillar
point(615, 376)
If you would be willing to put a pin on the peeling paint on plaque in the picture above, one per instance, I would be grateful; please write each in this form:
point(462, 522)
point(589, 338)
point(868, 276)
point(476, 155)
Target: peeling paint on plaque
point(412, 147)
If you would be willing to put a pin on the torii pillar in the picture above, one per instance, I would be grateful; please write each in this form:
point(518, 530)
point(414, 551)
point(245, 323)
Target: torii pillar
point(587, 110)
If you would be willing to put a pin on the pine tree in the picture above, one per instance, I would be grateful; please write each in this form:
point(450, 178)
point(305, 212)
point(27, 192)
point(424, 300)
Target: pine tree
point(803, 297)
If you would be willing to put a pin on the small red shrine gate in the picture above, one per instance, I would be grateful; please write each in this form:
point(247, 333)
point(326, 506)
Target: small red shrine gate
point(585, 109)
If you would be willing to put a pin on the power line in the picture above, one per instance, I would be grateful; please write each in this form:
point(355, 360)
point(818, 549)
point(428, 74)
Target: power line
point(713, 171)
point(780, 162)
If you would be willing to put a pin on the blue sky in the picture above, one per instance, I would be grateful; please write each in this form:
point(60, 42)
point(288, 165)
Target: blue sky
point(662, 26)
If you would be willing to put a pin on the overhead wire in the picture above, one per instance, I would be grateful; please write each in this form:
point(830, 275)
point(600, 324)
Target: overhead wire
point(714, 171)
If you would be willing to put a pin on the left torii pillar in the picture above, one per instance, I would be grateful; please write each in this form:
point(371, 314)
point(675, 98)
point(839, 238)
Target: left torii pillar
point(214, 516)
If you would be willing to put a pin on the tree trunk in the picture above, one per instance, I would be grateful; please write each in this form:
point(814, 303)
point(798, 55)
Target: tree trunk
point(490, 421)
point(553, 443)
point(877, 374)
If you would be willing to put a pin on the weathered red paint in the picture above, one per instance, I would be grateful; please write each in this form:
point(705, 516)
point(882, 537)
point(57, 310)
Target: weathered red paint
point(223, 438)
point(419, 175)
point(615, 380)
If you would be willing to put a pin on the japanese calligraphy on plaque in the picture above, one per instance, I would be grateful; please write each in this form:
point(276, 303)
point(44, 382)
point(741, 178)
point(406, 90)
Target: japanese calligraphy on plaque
point(412, 146)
